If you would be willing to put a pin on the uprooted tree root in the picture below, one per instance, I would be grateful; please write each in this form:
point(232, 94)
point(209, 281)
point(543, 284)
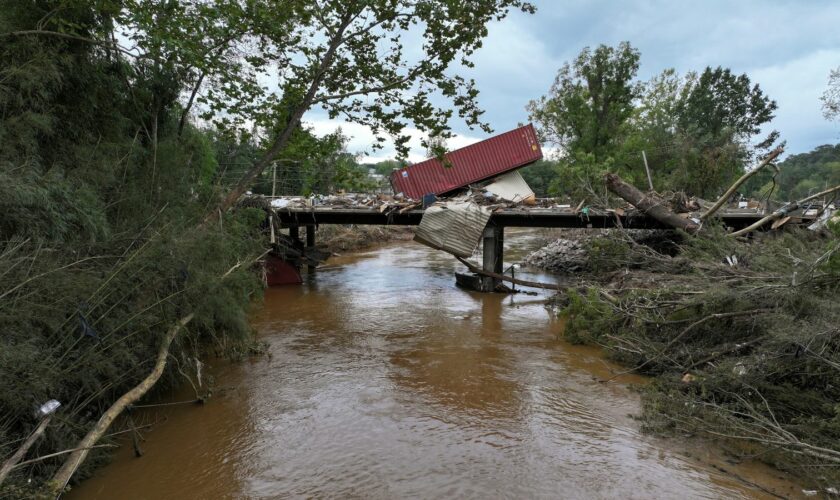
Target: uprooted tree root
point(742, 336)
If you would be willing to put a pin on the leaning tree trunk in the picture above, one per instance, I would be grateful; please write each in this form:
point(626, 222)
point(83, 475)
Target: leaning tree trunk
point(729, 192)
point(62, 477)
point(10, 463)
point(650, 204)
point(785, 210)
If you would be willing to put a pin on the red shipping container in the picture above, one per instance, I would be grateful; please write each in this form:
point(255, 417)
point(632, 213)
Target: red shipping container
point(473, 163)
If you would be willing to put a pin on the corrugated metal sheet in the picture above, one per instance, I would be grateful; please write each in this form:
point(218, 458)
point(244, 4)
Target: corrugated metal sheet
point(454, 226)
point(473, 163)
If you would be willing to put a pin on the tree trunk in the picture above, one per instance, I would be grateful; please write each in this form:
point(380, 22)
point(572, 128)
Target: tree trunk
point(766, 161)
point(294, 120)
point(650, 204)
point(186, 111)
point(9, 464)
point(785, 210)
point(62, 477)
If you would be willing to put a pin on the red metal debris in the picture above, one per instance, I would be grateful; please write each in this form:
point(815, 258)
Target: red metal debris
point(280, 272)
point(476, 162)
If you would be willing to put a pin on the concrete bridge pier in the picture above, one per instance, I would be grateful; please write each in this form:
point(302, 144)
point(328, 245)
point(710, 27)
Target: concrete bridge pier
point(492, 260)
point(294, 234)
point(493, 251)
point(310, 243)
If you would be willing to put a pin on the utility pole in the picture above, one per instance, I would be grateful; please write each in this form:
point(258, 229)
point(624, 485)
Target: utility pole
point(273, 188)
point(647, 169)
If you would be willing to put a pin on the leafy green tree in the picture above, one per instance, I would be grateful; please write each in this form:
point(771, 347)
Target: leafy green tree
point(105, 176)
point(349, 58)
point(385, 167)
point(540, 176)
point(831, 96)
point(798, 175)
point(587, 109)
point(718, 103)
point(697, 130)
point(718, 116)
point(590, 101)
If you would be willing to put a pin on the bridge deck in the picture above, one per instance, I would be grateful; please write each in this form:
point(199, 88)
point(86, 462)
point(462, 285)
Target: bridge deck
point(510, 217)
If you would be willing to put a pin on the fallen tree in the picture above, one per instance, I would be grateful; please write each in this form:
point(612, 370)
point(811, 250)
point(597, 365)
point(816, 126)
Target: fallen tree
point(62, 477)
point(784, 211)
point(744, 178)
point(650, 203)
point(746, 353)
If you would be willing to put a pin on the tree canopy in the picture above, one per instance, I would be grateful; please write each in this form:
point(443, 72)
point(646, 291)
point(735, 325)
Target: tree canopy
point(697, 130)
point(831, 96)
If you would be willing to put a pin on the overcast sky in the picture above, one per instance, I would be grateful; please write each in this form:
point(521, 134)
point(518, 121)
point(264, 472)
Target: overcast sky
point(786, 47)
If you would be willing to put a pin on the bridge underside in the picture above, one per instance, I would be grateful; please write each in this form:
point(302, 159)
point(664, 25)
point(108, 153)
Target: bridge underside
point(511, 217)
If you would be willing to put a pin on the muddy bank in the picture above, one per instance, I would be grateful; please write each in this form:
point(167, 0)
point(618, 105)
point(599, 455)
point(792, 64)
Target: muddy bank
point(740, 336)
point(346, 238)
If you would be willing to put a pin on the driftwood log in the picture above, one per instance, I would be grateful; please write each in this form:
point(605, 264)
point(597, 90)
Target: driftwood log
point(531, 284)
point(9, 464)
point(62, 477)
point(650, 204)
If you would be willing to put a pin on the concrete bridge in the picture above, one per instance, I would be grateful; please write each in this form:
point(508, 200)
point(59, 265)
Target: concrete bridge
point(493, 236)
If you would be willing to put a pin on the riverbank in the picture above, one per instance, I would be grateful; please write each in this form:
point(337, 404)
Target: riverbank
point(337, 238)
point(740, 336)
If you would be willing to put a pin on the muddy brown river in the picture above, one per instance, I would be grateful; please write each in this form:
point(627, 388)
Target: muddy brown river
point(384, 380)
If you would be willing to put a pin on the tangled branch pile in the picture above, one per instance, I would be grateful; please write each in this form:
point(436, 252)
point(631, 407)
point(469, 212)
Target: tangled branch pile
point(742, 336)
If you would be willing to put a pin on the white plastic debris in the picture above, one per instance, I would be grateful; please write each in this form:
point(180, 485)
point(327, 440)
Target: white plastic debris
point(823, 220)
point(48, 407)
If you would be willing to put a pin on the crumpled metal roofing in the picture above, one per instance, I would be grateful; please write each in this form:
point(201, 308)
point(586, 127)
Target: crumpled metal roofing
point(455, 226)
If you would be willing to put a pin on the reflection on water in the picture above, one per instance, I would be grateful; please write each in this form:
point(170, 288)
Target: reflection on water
point(385, 380)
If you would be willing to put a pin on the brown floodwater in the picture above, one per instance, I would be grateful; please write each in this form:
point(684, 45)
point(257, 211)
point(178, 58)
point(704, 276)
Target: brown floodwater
point(384, 380)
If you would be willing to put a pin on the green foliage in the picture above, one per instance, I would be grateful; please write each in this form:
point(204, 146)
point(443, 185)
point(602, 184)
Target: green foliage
point(587, 109)
point(107, 184)
point(697, 130)
point(100, 247)
point(590, 100)
point(541, 177)
point(798, 175)
point(747, 354)
point(385, 167)
point(587, 317)
point(308, 165)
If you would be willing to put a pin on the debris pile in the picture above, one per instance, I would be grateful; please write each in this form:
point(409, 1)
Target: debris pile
point(562, 255)
point(383, 203)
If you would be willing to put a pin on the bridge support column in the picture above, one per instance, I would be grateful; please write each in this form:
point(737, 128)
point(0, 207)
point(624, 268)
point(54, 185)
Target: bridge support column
point(310, 242)
point(493, 251)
